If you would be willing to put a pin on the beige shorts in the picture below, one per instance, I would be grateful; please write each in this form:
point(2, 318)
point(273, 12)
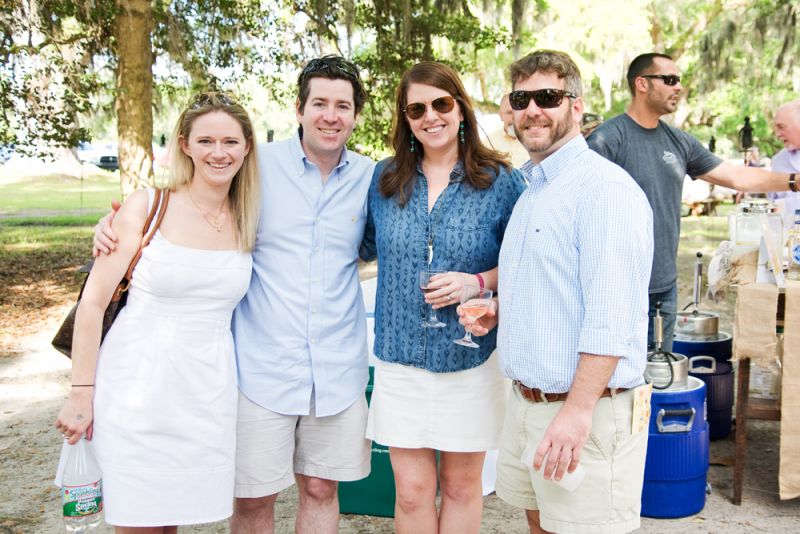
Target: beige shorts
point(272, 447)
point(608, 500)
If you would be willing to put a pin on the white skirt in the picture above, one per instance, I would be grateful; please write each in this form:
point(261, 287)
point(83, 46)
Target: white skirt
point(454, 412)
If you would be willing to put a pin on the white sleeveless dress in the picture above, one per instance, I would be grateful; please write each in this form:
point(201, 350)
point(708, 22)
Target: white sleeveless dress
point(166, 394)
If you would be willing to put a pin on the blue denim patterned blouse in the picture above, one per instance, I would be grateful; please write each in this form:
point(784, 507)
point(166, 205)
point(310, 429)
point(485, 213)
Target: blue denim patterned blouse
point(467, 226)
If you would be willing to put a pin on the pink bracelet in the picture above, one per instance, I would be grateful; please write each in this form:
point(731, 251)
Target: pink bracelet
point(480, 280)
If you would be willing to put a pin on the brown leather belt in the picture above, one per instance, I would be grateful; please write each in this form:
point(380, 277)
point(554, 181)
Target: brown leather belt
point(536, 395)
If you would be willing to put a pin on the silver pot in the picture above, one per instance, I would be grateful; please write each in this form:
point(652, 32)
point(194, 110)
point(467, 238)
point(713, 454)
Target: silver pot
point(697, 323)
point(658, 371)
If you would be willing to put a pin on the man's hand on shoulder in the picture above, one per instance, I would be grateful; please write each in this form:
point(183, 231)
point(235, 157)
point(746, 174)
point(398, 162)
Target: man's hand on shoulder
point(105, 240)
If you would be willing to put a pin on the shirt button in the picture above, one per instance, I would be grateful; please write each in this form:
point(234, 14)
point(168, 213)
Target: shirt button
point(313, 340)
point(313, 310)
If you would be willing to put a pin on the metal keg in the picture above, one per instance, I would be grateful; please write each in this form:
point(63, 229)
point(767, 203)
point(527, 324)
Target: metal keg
point(664, 369)
point(697, 332)
point(696, 323)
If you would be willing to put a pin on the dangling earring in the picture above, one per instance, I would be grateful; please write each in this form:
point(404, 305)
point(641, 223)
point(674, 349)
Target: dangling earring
point(461, 132)
point(412, 142)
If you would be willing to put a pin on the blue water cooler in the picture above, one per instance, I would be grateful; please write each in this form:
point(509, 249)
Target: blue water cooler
point(718, 377)
point(677, 452)
point(719, 345)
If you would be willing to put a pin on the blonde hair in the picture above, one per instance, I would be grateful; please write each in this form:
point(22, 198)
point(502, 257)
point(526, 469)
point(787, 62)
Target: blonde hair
point(244, 194)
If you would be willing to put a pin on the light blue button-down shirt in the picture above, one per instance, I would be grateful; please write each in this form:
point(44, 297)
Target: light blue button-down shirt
point(574, 271)
point(301, 328)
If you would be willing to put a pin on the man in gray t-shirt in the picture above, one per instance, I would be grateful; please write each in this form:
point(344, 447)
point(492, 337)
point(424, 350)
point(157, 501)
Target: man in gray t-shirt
point(658, 156)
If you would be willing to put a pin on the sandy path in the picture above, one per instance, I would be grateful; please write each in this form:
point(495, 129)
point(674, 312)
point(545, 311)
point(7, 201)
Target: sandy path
point(32, 387)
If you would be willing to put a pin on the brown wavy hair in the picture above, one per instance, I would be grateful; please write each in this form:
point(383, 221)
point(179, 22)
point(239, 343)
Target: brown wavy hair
point(481, 163)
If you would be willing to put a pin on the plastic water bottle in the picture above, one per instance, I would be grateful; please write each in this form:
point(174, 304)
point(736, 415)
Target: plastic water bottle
point(794, 249)
point(81, 488)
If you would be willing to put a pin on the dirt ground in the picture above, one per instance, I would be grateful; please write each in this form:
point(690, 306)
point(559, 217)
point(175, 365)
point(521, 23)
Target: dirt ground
point(35, 295)
point(32, 387)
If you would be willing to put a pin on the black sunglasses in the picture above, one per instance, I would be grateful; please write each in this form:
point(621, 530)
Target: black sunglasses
point(668, 79)
point(335, 64)
point(443, 104)
point(208, 98)
point(544, 98)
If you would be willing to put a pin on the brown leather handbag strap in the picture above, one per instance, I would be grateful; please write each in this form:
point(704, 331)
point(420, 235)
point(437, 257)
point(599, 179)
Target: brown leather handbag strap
point(153, 210)
point(159, 207)
point(164, 200)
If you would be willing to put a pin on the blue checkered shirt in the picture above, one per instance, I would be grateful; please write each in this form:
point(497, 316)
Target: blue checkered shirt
point(574, 271)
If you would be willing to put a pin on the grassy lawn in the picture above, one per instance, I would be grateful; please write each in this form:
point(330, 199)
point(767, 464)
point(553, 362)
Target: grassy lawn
point(44, 237)
point(58, 194)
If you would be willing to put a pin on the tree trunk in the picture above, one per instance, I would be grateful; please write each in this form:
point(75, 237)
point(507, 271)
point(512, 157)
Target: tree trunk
point(518, 8)
point(134, 105)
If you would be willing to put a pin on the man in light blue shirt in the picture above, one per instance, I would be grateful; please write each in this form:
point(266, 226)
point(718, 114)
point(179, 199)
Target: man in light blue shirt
point(573, 275)
point(300, 332)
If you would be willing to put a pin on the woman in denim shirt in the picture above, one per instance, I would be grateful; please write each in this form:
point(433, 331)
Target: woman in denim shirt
point(441, 203)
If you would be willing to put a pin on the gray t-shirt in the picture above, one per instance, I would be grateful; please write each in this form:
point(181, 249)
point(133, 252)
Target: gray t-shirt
point(658, 159)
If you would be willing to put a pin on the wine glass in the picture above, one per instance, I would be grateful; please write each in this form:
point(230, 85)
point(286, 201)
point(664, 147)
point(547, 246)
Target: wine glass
point(424, 279)
point(475, 302)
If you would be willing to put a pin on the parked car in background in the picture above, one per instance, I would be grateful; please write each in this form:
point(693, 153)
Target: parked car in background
point(103, 155)
point(108, 163)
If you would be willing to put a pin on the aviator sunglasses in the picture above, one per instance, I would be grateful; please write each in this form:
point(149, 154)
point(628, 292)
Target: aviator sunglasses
point(443, 104)
point(668, 79)
point(544, 98)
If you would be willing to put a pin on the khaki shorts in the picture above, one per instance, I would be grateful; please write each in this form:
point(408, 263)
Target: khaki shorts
point(608, 500)
point(271, 447)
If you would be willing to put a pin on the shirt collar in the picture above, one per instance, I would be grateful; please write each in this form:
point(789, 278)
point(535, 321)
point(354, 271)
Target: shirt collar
point(299, 156)
point(554, 164)
point(456, 175)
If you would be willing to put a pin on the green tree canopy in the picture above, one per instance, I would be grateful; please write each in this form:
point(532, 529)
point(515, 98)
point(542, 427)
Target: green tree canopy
point(61, 58)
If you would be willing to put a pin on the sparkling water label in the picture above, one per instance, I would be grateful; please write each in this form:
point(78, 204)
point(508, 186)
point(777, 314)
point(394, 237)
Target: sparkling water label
point(796, 254)
point(81, 501)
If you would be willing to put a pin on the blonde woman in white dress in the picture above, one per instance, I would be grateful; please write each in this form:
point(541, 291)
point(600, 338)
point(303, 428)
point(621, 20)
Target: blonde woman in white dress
point(158, 398)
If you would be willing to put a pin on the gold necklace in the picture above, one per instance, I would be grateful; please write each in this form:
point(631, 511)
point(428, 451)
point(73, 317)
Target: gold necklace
point(213, 221)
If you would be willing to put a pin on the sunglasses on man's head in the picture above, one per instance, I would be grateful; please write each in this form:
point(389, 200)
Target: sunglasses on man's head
point(544, 98)
point(443, 104)
point(668, 79)
point(336, 64)
point(205, 99)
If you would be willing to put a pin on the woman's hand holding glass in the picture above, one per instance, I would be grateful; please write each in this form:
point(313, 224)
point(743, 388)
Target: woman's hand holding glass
point(482, 325)
point(427, 285)
point(448, 288)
